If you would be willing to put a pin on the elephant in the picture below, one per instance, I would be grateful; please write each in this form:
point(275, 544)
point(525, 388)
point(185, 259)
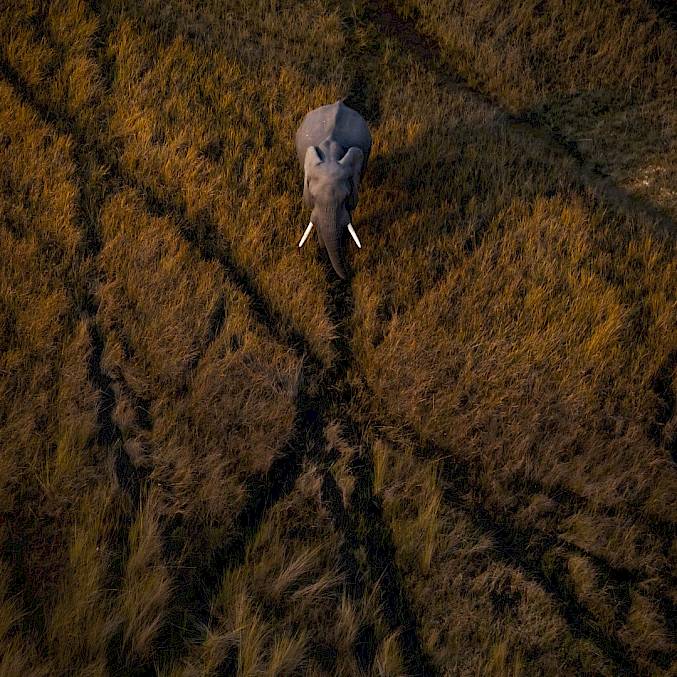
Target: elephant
point(333, 145)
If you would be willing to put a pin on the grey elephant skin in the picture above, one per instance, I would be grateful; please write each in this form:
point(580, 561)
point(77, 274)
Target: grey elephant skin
point(333, 145)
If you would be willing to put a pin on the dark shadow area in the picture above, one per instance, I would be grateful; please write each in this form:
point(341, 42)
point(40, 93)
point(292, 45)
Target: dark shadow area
point(662, 387)
point(666, 9)
point(363, 95)
point(427, 51)
point(361, 522)
point(414, 176)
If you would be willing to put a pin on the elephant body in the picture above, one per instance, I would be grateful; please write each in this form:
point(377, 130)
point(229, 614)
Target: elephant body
point(333, 145)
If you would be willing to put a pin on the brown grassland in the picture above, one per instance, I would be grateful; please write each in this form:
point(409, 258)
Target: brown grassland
point(218, 458)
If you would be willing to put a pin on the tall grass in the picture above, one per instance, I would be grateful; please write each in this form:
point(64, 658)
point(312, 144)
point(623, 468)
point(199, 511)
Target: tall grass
point(488, 478)
point(602, 76)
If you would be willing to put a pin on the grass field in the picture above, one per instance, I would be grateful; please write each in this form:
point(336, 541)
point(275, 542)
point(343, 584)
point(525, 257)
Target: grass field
point(219, 458)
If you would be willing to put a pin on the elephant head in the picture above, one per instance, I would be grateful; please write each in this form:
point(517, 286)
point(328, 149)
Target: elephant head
point(330, 190)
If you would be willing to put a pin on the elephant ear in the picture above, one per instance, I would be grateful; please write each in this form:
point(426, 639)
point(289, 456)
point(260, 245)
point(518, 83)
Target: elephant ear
point(312, 158)
point(353, 160)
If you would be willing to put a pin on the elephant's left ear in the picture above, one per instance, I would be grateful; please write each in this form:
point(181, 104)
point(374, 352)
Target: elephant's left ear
point(312, 158)
point(353, 160)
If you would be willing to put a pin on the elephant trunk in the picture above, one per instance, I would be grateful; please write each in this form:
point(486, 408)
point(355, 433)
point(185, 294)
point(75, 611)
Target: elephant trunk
point(334, 234)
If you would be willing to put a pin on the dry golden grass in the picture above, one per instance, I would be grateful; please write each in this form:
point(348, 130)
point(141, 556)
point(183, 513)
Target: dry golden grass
point(286, 610)
point(452, 573)
point(217, 459)
point(601, 74)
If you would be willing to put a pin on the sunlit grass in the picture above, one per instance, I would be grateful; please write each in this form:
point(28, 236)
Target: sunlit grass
point(509, 412)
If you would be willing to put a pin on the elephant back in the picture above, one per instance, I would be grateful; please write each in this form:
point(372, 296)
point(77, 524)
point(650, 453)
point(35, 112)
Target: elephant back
point(335, 122)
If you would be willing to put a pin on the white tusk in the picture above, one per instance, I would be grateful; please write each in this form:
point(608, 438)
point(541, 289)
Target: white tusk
point(354, 234)
point(305, 235)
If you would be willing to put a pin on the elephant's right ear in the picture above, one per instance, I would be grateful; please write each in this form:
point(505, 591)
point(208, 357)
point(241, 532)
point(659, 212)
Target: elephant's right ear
point(312, 158)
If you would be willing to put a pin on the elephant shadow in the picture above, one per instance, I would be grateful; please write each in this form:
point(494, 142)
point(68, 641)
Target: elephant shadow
point(462, 176)
point(451, 180)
